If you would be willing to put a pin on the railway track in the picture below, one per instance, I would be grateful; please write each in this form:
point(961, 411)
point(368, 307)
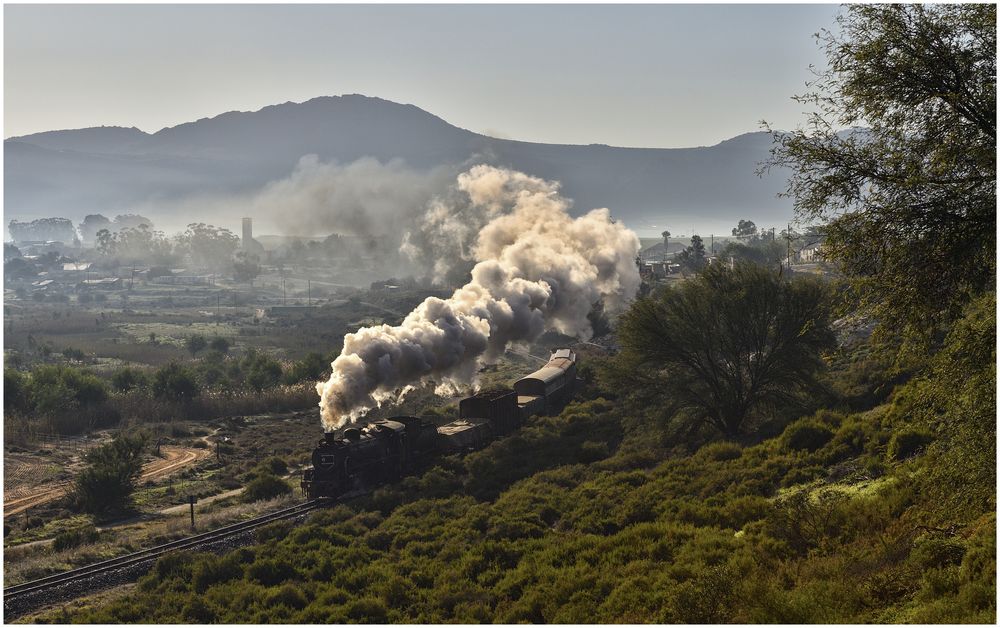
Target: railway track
point(36, 588)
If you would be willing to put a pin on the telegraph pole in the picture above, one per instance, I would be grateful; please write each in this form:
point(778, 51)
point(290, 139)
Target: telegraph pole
point(788, 254)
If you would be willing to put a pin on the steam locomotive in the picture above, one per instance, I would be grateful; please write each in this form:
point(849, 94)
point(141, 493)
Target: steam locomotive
point(384, 451)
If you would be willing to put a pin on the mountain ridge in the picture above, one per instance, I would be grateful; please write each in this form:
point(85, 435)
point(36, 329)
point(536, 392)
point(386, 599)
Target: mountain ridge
point(112, 169)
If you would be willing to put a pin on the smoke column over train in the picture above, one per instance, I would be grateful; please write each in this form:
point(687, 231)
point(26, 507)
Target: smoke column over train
point(536, 269)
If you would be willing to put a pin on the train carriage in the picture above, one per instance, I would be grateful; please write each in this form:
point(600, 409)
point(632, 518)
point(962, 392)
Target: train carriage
point(384, 450)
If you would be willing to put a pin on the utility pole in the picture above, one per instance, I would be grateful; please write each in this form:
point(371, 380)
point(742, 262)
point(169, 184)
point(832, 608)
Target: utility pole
point(218, 305)
point(191, 500)
point(283, 294)
point(788, 254)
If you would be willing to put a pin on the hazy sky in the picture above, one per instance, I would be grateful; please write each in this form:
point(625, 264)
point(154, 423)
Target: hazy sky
point(658, 76)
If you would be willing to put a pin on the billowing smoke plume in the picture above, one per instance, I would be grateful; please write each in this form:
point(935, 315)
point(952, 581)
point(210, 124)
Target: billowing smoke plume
point(537, 269)
point(363, 198)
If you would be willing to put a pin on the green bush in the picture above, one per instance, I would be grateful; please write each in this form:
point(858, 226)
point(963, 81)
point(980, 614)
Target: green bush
point(591, 451)
point(288, 595)
point(16, 391)
point(367, 611)
point(802, 475)
point(58, 389)
point(907, 443)
point(73, 538)
point(807, 434)
point(265, 487)
point(175, 382)
point(929, 552)
point(270, 572)
point(213, 570)
point(128, 378)
point(195, 343)
point(197, 610)
point(275, 465)
point(74, 354)
point(273, 531)
point(721, 451)
point(260, 370)
point(112, 470)
point(220, 344)
point(308, 369)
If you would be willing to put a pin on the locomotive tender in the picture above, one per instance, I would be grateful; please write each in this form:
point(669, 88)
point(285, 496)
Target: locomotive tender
point(383, 451)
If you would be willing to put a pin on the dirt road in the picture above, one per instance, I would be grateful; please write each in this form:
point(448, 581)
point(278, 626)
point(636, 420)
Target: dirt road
point(173, 459)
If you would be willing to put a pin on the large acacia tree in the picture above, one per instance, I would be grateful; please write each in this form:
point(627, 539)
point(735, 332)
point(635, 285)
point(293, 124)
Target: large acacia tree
point(725, 346)
point(899, 158)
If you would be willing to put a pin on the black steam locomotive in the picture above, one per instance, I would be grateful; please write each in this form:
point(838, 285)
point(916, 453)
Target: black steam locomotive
point(383, 451)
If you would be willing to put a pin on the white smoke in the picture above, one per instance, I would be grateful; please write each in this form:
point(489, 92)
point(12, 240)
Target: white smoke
point(537, 269)
point(363, 198)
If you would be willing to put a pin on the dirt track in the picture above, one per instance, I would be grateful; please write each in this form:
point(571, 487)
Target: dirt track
point(174, 459)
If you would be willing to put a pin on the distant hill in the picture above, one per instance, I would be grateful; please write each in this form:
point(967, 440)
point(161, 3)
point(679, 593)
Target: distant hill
point(114, 169)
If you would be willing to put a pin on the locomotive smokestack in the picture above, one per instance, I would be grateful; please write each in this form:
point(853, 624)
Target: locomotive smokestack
point(537, 269)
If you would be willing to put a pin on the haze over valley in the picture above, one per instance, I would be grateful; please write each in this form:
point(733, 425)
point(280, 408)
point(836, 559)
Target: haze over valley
point(360, 155)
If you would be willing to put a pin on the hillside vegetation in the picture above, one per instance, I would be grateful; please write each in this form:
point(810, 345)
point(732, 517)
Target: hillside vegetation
point(733, 462)
point(845, 516)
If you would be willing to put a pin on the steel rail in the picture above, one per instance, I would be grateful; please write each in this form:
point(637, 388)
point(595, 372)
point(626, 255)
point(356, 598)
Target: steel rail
point(134, 558)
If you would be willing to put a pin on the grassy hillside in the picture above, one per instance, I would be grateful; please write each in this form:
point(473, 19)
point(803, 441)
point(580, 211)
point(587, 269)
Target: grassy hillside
point(878, 507)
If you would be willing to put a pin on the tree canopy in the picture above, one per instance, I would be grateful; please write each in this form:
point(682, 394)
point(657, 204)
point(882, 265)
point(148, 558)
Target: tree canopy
point(726, 345)
point(693, 257)
point(111, 473)
point(909, 190)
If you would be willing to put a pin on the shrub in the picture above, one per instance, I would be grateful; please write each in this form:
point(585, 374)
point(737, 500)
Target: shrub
point(126, 379)
point(265, 487)
point(275, 465)
point(176, 382)
point(930, 552)
point(367, 611)
point(721, 451)
point(73, 354)
point(907, 443)
point(198, 611)
point(213, 570)
point(16, 391)
point(111, 473)
point(309, 368)
point(592, 451)
point(195, 343)
point(219, 344)
point(273, 531)
point(51, 385)
point(288, 595)
point(270, 572)
point(802, 475)
point(75, 537)
point(261, 370)
point(807, 434)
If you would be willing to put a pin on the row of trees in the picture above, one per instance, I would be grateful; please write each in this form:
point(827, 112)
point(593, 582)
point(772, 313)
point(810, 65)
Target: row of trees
point(206, 246)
